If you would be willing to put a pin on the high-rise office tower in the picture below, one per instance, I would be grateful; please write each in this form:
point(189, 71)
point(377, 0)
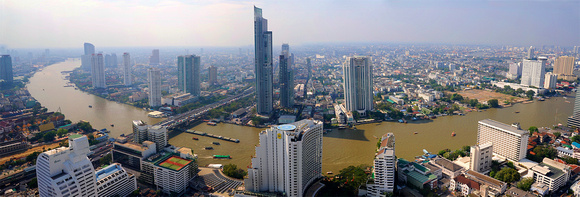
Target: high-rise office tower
point(533, 72)
point(384, 167)
point(480, 157)
point(515, 70)
point(574, 120)
point(139, 131)
point(564, 68)
point(154, 79)
point(158, 135)
point(188, 70)
point(154, 59)
point(309, 67)
point(531, 53)
point(114, 60)
point(263, 63)
point(108, 60)
point(212, 75)
point(288, 159)
point(508, 141)
point(127, 69)
point(67, 171)
point(6, 74)
point(98, 71)
point(358, 84)
point(86, 57)
point(286, 80)
point(550, 81)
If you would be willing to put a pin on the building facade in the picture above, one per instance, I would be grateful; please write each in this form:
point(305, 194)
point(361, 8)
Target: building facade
point(6, 74)
point(550, 81)
point(533, 71)
point(86, 63)
point(170, 172)
point(551, 173)
point(288, 159)
point(158, 135)
point(263, 63)
point(564, 68)
point(574, 120)
point(127, 76)
point(515, 70)
point(98, 71)
point(113, 180)
point(154, 77)
point(154, 58)
point(480, 157)
point(508, 141)
point(286, 80)
point(189, 78)
point(384, 167)
point(67, 171)
point(358, 84)
point(212, 72)
point(130, 154)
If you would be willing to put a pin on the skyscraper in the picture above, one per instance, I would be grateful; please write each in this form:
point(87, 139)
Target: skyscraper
point(574, 120)
point(127, 69)
point(550, 81)
point(358, 84)
point(508, 141)
point(188, 69)
point(515, 70)
point(384, 167)
point(533, 72)
point(6, 74)
point(114, 61)
point(98, 71)
point(263, 63)
point(309, 67)
point(531, 53)
point(288, 159)
point(154, 77)
point(158, 135)
point(564, 68)
point(86, 57)
point(212, 75)
point(67, 171)
point(286, 80)
point(154, 59)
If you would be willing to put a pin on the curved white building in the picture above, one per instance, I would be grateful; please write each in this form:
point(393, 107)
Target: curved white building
point(288, 159)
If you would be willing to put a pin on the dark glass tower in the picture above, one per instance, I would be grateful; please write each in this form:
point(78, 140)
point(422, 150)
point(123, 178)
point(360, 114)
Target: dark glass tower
point(263, 63)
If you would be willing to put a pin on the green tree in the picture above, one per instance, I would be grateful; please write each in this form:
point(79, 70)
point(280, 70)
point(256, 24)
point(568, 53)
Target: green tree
point(557, 134)
point(576, 138)
point(473, 102)
point(507, 175)
point(33, 183)
point(106, 160)
point(456, 97)
point(533, 129)
point(233, 171)
point(530, 94)
point(355, 115)
point(526, 183)
point(49, 136)
point(493, 103)
point(570, 160)
point(85, 126)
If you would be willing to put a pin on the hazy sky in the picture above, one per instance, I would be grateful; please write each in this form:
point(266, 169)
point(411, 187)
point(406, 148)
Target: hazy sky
point(129, 23)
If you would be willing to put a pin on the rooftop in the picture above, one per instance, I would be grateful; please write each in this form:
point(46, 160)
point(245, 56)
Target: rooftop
point(470, 183)
point(75, 136)
point(420, 177)
point(108, 171)
point(485, 178)
point(388, 140)
point(503, 127)
point(174, 163)
point(448, 164)
point(548, 170)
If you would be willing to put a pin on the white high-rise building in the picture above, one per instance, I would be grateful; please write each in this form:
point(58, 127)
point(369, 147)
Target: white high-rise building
point(533, 72)
point(515, 70)
point(113, 180)
point(384, 167)
point(139, 131)
point(550, 81)
point(158, 134)
point(508, 141)
point(127, 69)
point(86, 57)
point(98, 71)
point(358, 84)
point(67, 171)
point(288, 159)
point(154, 77)
point(480, 157)
point(531, 53)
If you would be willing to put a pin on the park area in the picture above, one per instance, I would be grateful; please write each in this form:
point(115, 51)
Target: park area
point(485, 95)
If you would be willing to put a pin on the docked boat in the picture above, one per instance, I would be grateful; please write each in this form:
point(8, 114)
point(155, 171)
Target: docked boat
point(517, 112)
point(541, 99)
point(222, 157)
point(208, 148)
point(453, 134)
point(329, 172)
point(216, 143)
point(415, 133)
point(112, 125)
point(211, 123)
point(194, 138)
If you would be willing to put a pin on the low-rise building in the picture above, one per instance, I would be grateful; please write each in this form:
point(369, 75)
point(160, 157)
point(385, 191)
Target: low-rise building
point(464, 185)
point(415, 174)
point(564, 152)
point(179, 99)
point(551, 173)
point(448, 168)
point(515, 192)
point(493, 187)
point(576, 189)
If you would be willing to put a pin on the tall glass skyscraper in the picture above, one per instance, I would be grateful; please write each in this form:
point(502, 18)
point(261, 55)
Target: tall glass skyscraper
point(154, 77)
point(263, 62)
point(358, 84)
point(86, 62)
point(188, 69)
point(6, 69)
point(286, 80)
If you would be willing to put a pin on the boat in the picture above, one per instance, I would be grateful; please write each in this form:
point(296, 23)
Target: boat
point(211, 123)
point(517, 112)
point(329, 172)
point(194, 138)
point(541, 99)
point(216, 143)
point(415, 133)
point(208, 148)
point(341, 127)
point(222, 157)
point(453, 134)
point(112, 125)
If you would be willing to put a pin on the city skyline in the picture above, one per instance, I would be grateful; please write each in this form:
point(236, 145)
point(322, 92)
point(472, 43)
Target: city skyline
point(160, 23)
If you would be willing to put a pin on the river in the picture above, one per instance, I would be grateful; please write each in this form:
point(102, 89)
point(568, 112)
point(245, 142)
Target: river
point(341, 147)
